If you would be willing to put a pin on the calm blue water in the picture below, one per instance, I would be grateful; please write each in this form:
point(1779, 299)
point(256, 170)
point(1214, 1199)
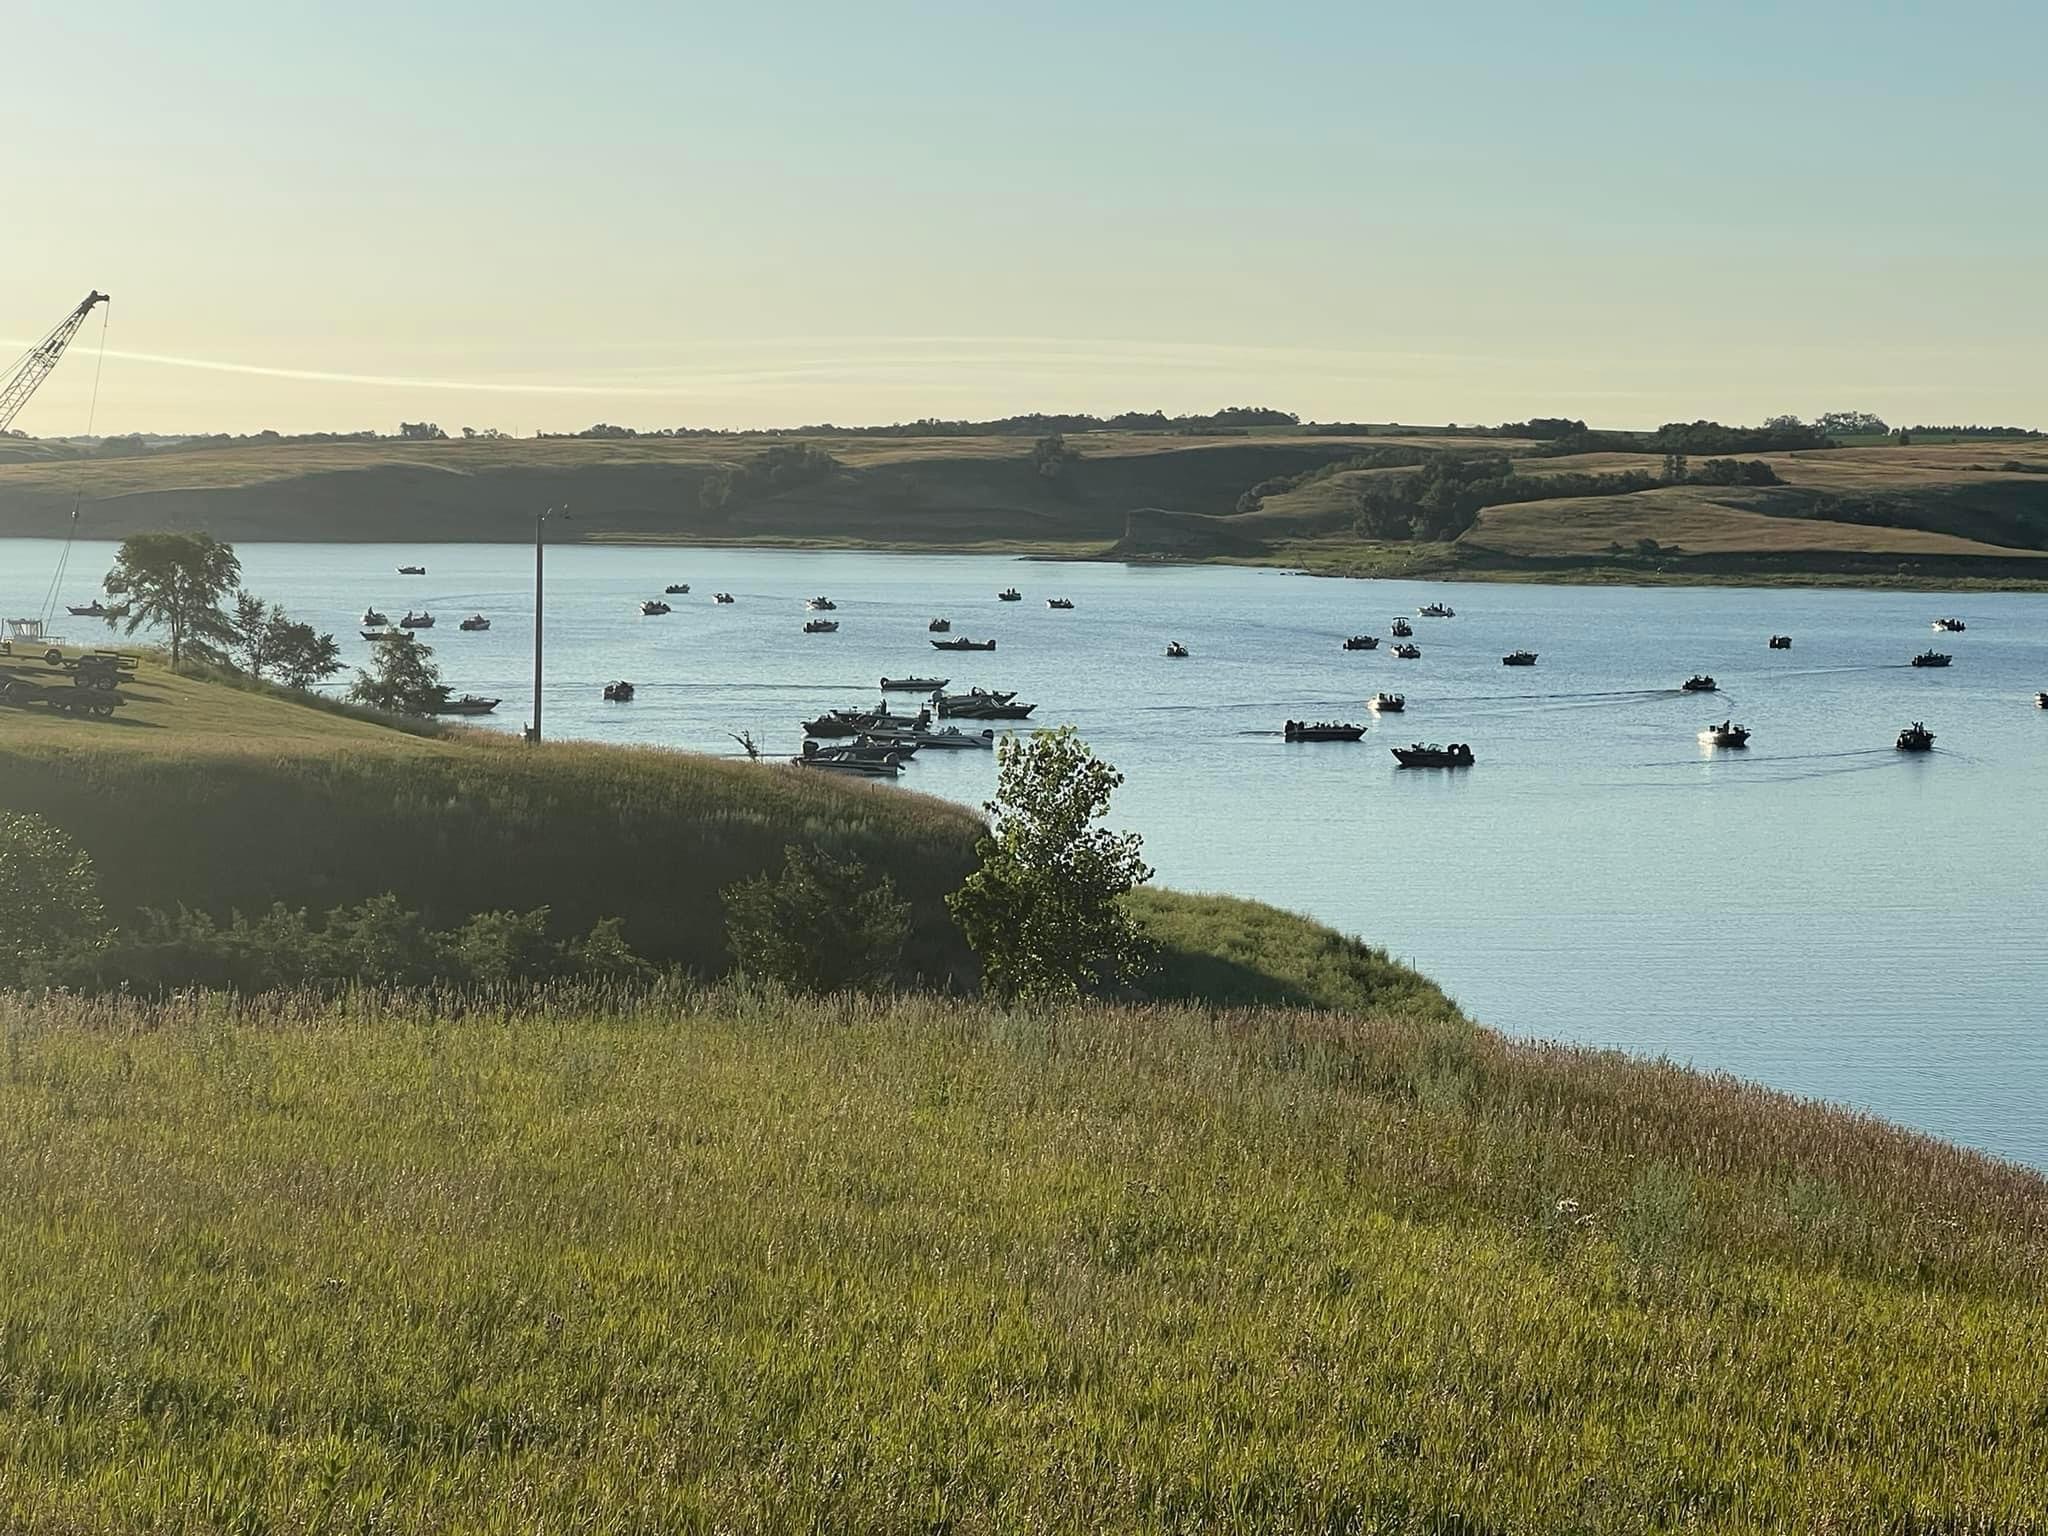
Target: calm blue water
point(1819, 912)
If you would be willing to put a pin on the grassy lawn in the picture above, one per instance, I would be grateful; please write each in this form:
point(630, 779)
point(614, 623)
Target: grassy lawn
point(725, 1262)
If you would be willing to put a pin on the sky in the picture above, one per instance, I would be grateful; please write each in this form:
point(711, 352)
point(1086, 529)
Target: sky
point(324, 217)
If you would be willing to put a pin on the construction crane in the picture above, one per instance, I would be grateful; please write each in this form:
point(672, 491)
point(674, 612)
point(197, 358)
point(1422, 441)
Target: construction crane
point(23, 379)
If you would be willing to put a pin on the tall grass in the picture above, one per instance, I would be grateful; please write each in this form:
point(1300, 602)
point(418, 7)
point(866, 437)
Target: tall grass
point(715, 1260)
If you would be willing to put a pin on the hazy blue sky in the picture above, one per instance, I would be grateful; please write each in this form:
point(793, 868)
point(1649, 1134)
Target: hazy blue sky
point(545, 215)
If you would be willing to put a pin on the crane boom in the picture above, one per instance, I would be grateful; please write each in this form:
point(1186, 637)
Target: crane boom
point(27, 375)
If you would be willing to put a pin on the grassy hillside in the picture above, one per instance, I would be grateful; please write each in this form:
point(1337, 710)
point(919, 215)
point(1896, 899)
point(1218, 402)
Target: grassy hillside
point(1933, 511)
point(719, 1262)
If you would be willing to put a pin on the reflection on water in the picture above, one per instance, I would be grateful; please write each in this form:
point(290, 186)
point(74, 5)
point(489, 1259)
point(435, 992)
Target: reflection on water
point(1817, 910)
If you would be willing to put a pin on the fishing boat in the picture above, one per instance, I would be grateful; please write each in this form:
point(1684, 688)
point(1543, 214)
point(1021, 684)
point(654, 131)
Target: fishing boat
point(618, 693)
point(1322, 730)
point(372, 619)
point(821, 626)
point(1916, 738)
point(821, 605)
point(721, 597)
point(1437, 611)
point(1932, 659)
point(412, 570)
point(1059, 602)
point(1726, 734)
point(1010, 595)
point(1456, 755)
point(947, 738)
point(1699, 682)
point(676, 588)
point(654, 607)
point(387, 634)
point(97, 610)
point(883, 767)
point(975, 693)
point(829, 725)
point(1389, 703)
point(1407, 652)
point(1362, 643)
point(1176, 650)
point(963, 644)
point(476, 621)
point(468, 704)
point(1953, 626)
point(1402, 627)
point(2041, 701)
point(1781, 642)
point(914, 684)
point(1519, 659)
point(982, 706)
point(416, 620)
point(940, 626)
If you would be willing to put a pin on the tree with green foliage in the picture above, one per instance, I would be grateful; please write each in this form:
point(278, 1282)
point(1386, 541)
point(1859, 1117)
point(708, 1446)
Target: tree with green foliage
point(1045, 911)
point(49, 896)
point(179, 581)
point(402, 678)
point(268, 638)
point(1050, 456)
point(821, 925)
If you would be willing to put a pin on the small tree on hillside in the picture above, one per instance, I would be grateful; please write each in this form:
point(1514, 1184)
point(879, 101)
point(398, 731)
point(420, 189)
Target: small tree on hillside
point(48, 892)
point(821, 925)
point(177, 580)
point(402, 678)
point(268, 638)
point(1045, 910)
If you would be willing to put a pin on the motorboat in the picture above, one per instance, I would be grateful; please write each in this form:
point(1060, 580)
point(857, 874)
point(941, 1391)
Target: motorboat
point(387, 634)
point(476, 621)
point(1176, 650)
point(963, 644)
point(982, 706)
point(1010, 595)
point(1402, 627)
point(1389, 703)
point(975, 693)
point(914, 684)
point(676, 588)
point(947, 738)
point(412, 570)
point(1519, 659)
point(881, 715)
point(829, 726)
point(468, 704)
point(1726, 734)
point(1059, 602)
point(618, 693)
point(654, 607)
point(821, 626)
point(821, 605)
point(1407, 652)
point(1932, 659)
point(940, 626)
point(416, 620)
point(1699, 682)
point(1781, 642)
point(836, 762)
point(1437, 611)
point(1916, 738)
point(1456, 755)
point(1362, 643)
point(1953, 626)
point(1322, 730)
point(372, 619)
point(98, 610)
point(2041, 701)
point(721, 597)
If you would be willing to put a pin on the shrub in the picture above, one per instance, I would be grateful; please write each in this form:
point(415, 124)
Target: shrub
point(821, 925)
point(49, 896)
point(1045, 910)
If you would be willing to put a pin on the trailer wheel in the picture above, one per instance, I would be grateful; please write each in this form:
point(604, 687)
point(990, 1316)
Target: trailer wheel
point(102, 708)
point(53, 655)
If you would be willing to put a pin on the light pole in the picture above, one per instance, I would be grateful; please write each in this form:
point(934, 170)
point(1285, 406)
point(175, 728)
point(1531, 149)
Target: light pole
point(539, 574)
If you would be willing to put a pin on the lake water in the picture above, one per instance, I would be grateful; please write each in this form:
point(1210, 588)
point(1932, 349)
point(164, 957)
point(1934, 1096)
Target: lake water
point(1819, 912)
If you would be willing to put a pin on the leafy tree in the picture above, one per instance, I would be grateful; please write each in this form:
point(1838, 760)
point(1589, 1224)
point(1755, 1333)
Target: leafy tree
point(1735, 472)
point(422, 431)
point(496, 948)
point(821, 925)
point(402, 678)
point(268, 638)
point(177, 580)
point(1045, 910)
point(48, 894)
point(1050, 456)
point(1851, 424)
